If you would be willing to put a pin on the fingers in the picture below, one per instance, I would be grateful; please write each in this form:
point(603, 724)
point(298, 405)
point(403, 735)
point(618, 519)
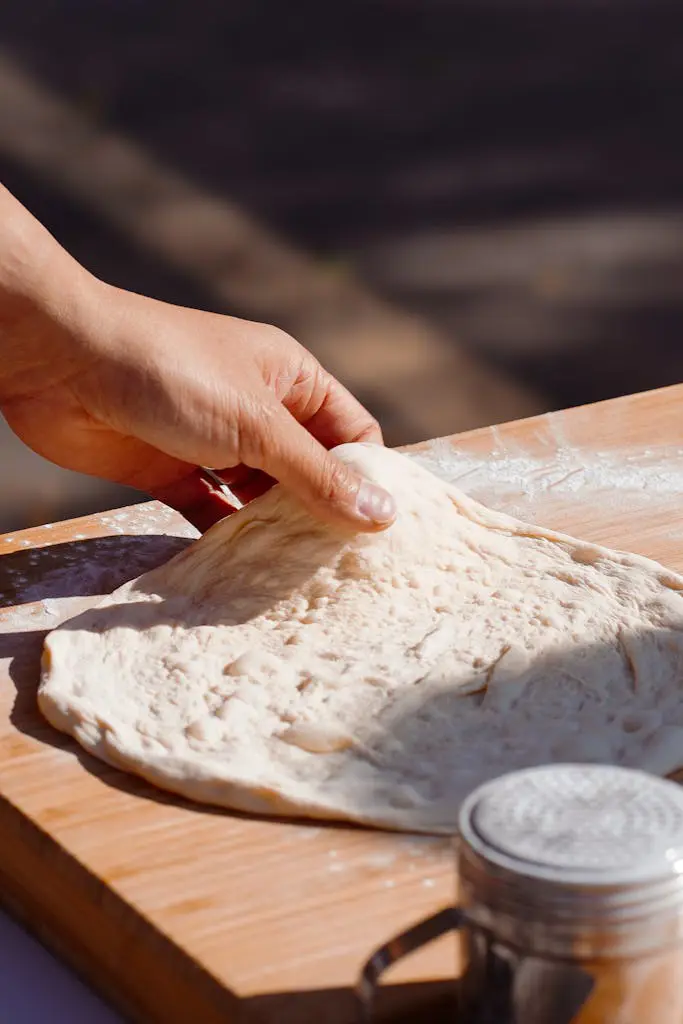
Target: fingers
point(332, 491)
point(245, 424)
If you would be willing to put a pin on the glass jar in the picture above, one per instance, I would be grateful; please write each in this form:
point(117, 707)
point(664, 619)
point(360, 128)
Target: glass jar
point(571, 901)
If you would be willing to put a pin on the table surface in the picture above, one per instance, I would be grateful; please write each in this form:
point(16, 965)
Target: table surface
point(612, 473)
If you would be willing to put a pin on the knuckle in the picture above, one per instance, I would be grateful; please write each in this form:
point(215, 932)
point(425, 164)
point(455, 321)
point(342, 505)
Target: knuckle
point(337, 484)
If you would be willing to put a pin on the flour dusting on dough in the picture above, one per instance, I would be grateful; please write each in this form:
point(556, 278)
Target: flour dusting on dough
point(279, 667)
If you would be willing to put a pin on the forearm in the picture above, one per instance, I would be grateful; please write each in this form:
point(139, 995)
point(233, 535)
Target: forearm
point(43, 295)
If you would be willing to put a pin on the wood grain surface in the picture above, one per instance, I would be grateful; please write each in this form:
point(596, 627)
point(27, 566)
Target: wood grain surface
point(179, 913)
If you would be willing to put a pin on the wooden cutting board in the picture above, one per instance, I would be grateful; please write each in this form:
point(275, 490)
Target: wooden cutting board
point(179, 913)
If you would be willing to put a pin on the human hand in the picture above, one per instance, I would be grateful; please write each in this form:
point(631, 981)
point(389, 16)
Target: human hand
point(142, 392)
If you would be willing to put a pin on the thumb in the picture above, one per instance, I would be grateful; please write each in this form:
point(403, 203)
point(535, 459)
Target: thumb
point(332, 491)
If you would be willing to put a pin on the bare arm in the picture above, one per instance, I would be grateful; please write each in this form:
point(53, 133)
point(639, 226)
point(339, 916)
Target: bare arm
point(111, 383)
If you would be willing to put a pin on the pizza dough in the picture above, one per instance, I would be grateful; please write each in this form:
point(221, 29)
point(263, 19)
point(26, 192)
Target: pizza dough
point(279, 667)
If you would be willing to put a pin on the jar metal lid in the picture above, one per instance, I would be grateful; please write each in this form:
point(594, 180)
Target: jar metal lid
point(561, 853)
point(594, 824)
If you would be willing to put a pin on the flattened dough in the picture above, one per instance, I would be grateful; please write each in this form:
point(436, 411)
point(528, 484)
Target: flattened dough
point(279, 667)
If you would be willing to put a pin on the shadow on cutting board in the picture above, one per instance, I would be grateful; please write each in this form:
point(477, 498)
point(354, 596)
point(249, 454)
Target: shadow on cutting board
point(76, 569)
point(81, 568)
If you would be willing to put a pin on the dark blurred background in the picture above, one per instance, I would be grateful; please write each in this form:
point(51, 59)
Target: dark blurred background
point(470, 211)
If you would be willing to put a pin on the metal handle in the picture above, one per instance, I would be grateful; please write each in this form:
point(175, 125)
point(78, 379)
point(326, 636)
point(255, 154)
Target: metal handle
point(222, 486)
point(448, 920)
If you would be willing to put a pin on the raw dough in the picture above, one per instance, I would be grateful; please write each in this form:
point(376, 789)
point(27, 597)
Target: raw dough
point(279, 667)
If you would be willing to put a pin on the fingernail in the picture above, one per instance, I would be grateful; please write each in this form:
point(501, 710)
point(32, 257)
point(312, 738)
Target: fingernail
point(374, 503)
